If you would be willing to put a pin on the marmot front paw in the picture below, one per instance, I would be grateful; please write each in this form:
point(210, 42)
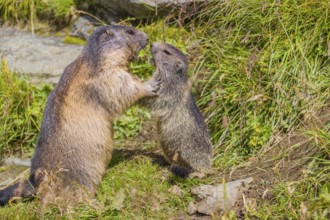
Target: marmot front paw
point(152, 86)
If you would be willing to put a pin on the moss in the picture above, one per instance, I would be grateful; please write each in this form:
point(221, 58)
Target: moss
point(74, 40)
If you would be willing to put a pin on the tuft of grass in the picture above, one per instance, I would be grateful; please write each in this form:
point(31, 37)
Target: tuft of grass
point(21, 105)
point(58, 11)
point(133, 188)
point(28, 11)
point(263, 66)
point(137, 188)
point(18, 10)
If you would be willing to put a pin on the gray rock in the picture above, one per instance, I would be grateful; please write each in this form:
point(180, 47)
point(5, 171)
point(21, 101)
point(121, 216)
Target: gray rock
point(192, 208)
point(13, 161)
point(35, 55)
point(176, 190)
point(6, 182)
point(9, 174)
point(83, 27)
point(12, 169)
point(143, 8)
point(211, 199)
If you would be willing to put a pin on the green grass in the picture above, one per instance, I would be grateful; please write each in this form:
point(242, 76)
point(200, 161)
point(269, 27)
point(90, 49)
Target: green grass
point(57, 12)
point(130, 124)
point(259, 69)
point(134, 188)
point(21, 105)
point(263, 66)
point(16, 10)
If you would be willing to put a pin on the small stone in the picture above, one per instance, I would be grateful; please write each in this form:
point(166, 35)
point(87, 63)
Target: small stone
point(192, 208)
point(211, 199)
point(6, 182)
point(13, 161)
point(197, 175)
point(118, 201)
point(176, 190)
point(83, 27)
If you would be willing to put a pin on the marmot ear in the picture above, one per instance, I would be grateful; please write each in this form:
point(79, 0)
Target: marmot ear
point(109, 32)
point(179, 67)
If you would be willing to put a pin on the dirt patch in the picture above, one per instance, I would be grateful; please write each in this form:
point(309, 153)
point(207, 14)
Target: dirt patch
point(145, 143)
point(285, 160)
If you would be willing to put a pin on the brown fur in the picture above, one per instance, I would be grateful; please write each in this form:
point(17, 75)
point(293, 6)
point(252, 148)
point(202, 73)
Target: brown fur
point(75, 141)
point(183, 134)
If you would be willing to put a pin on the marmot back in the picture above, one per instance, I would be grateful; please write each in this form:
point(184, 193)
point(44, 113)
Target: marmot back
point(183, 134)
point(75, 142)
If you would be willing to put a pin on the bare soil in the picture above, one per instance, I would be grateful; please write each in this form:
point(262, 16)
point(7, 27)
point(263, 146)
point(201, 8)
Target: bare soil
point(285, 160)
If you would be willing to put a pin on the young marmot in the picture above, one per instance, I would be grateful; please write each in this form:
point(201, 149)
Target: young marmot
point(182, 132)
point(75, 142)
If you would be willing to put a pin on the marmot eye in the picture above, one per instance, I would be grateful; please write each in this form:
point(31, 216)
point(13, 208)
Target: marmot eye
point(130, 32)
point(166, 51)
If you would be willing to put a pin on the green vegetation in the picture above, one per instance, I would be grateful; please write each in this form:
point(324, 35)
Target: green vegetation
point(74, 40)
point(132, 189)
point(16, 10)
point(130, 124)
point(264, 66)
point(28, 11)
point(305, 198)
point(62, 9)
point(21, 105)
point(260, 70)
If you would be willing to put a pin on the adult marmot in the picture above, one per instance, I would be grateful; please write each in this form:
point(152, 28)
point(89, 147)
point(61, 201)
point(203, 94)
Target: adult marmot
point(182, 132)
point(75, 142)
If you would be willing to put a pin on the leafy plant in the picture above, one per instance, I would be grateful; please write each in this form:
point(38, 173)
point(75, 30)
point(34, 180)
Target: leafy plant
point(128, 126)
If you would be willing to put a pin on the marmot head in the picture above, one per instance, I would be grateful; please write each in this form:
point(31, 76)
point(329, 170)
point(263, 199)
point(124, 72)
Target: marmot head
point(169, 61)
point(115, 44)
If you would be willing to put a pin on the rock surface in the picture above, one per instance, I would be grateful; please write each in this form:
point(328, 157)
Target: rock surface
point(143, 8)
point(13, 161)
point(84, 27)
point(211, 199)
point(35, 55)
point(12, 169)
point(192, 208)
point(176, 190)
